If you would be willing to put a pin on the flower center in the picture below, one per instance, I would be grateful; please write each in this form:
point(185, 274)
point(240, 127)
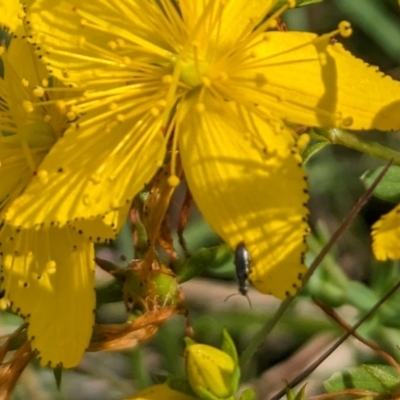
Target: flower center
point(192, 70)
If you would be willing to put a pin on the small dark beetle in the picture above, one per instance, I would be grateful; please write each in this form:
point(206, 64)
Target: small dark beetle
point(242, 265)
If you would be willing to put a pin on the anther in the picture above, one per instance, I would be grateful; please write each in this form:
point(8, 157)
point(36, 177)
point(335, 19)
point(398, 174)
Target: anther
point(71, 116)
point(173, 181)
point(38, 91)
point(95, 178)
point(112, 45)
point(27, 106)
point(345, 29)
point(348, 121)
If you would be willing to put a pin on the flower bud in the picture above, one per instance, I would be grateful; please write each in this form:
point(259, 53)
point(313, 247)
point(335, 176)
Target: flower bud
point(210, 371)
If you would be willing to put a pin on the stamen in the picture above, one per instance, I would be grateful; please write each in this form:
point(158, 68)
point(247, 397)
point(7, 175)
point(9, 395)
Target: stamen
point(102, 26)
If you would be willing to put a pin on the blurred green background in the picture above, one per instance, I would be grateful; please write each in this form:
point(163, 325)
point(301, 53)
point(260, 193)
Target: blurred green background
point(349, 278)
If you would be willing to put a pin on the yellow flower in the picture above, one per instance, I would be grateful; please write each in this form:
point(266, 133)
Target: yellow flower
point(386, 236)
point(212, 81)
point(160, 392)
point(47, 273)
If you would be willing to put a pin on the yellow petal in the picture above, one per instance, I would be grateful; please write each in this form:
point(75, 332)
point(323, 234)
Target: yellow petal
point(312, 82)
point(104, 228)
point(246, 195)
point(49, 278)
point(10, 12)
point(229, 19)
point(160, 392)
point(386, 236)
point(88, 173)
point(85, 40)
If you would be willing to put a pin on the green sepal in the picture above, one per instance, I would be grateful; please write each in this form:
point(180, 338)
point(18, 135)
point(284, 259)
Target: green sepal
point(248, 394)
point(388, 188)
point(310, 151)
point(229, 348)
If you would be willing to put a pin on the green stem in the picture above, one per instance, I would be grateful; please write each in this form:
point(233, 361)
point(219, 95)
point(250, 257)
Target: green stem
point(260, 336)
point(354, 141)
point(141, 377)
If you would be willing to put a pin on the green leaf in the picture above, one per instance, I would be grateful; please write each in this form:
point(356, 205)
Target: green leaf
point(385, 374)
point(309, 151)
point(229, 348)
point(374, 378)
point(57, 376)
point(201, 260)
point(301, 394)
point(389, 187)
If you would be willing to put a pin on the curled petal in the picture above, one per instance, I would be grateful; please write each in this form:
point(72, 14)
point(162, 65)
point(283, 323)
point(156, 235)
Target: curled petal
point(246, 176)
point(49, 279)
